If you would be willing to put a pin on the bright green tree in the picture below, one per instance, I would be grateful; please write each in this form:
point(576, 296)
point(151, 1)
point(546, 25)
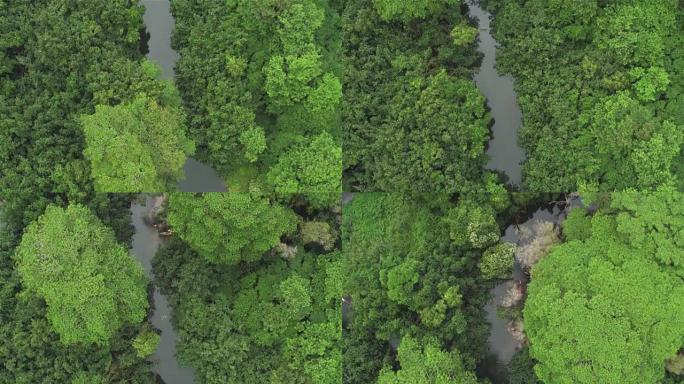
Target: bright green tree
point(229, 227)
point(464, 34)
point(426, 363)
point(472, 224)
point(136, 147)
point(91, 285)
point(409, 10)
point(497, 261)
point(610, 308)
point(146, 343)
point(313, 169)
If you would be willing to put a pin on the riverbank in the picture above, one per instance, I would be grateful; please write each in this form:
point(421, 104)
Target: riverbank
point(504, 153)
point(159, 22)
point(146, 241)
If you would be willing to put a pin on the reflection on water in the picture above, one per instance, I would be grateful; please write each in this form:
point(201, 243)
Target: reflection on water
point(159, 23)
point(502, 344)
point(146, 241)
point(504, 153)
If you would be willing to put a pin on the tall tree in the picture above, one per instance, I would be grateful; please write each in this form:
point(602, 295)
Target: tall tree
point(136, 147)
point(310, 168)
point(230, 227)
point(91, 285)
point(610, 307)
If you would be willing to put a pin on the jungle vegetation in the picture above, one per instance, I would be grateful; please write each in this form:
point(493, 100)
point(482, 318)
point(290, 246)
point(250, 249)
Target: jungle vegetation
point(601, 87)
point(284, 279)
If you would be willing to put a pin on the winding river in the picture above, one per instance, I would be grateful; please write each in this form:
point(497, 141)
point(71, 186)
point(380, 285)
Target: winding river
point(159, 22)
point(198, 178)
point(504, 153)
point(146, 241)
point(502, 344)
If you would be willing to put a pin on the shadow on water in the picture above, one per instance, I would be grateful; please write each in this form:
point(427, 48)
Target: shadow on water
point(156, 44)
point(200, 178)
point(145, 243)
point(504, 153)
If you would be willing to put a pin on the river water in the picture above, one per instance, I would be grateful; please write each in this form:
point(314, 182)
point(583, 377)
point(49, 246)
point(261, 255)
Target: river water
point(145, 243)
point(159, 23)
point(503, 150)
point(198, 178)
point(502, 344)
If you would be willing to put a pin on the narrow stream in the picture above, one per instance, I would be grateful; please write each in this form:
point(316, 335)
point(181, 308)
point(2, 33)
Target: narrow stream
point(159, 22)
point(146, 241)
point(502, 344)
point(503, 150)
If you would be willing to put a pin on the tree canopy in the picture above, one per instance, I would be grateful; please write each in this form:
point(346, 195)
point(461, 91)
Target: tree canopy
point(276, 319)
point(409, 280)
point(136, 147)
point(91, 286)
point(229, 227)
point(414, 120)
point(609, 306)
point(600, 87)
point(266, 102)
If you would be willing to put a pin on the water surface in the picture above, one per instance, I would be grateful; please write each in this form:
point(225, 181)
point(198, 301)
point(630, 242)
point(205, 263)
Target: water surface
point(200, 178)
point(502, 344)
point(145, 243)
point(503, 150)
point(159, 23)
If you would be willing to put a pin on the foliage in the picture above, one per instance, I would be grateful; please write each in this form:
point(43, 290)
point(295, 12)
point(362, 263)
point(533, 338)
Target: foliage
point(229, 227)
point(463, 34)
point(146, 343)
point(414, 120)
point(134, 147)
point(405, 278)
point(266, 101)
point(317, 232)
point(90, 284)
point(577, 225)
point(497, 261)
point(600, 87)
point(610, 308)
point(675, 364)
point(58, 61)
point(473, 225)
point(310, 168)
point(277, 321)
point(521, 368)
point(423, 362)
point(409, 10)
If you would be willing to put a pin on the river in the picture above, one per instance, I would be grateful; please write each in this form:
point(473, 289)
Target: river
point(198, 178)
point(145, 243)
point(159, 23)
point(504, 153)
point(502, 344)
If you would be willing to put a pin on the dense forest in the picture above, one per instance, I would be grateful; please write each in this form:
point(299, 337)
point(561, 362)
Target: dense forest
point(414, 120)
point(263, 104)
point(59, 61)
point(601, 86)
point(260, 302)
point(362, 238)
